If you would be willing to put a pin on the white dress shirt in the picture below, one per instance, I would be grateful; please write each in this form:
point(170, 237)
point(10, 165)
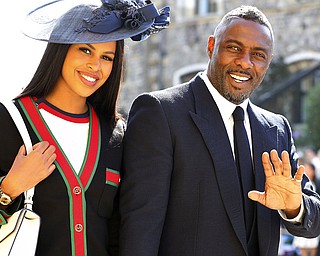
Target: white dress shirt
point(226, 109)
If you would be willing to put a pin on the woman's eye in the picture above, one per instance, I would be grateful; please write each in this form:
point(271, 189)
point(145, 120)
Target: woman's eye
point(85, 50)
point(107, 58)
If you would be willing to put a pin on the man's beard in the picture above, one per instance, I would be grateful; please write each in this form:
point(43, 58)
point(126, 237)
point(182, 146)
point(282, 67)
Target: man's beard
point(236, 98)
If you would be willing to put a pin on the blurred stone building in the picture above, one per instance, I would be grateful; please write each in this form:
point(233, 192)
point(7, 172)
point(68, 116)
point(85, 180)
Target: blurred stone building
point(177, 53)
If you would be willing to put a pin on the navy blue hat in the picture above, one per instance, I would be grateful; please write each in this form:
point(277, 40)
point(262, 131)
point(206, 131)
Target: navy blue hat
point(68, 22)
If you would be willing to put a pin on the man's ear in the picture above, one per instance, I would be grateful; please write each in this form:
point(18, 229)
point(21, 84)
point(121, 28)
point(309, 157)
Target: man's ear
point(210, 46)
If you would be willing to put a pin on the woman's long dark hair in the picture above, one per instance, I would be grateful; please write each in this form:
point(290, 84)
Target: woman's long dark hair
point(104, 100)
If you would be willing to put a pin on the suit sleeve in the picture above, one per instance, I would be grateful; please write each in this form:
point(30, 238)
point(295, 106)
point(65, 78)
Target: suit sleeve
point(310, 226)
point(145, 185)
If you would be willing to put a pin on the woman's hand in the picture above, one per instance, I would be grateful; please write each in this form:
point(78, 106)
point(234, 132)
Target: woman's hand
point(28, 170)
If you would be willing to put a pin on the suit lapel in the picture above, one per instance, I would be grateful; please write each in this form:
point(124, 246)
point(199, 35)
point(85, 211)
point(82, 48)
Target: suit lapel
point(210, 124)
point(264, 138)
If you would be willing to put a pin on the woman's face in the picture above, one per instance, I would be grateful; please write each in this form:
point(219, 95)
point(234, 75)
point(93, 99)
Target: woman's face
point(85, 69)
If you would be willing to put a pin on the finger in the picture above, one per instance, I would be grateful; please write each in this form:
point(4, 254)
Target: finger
point(52, 168)
point(257, 196)
point(299, 174)
point(276, 161)
point(37, 145)
point(286, 164)
point(267, 166)
point(52, 158)
point(41, 146)
point(22, 151)
point(49, 151)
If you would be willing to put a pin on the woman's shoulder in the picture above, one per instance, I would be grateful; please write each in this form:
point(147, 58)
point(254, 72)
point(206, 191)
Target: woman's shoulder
point(6, 120)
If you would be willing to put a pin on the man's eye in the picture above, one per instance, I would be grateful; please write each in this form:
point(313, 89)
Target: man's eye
point(260, 55)
point(234, 48)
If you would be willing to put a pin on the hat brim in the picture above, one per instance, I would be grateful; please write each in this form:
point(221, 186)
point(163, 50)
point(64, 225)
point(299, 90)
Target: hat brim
point(62, 22)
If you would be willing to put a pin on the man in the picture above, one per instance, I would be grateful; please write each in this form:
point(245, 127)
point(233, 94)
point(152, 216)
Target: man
point(181, 191)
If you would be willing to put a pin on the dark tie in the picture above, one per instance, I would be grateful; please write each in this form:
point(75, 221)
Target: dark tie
point(244, 164)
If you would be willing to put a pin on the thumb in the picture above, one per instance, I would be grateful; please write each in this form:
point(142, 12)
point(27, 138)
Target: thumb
point(22, 151)
point(257, 196)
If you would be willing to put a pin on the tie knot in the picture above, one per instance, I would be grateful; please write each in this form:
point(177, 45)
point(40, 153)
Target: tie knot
point(238, 114)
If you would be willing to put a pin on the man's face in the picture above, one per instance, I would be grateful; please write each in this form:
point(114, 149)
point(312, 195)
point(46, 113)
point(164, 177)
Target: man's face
point(240, 54)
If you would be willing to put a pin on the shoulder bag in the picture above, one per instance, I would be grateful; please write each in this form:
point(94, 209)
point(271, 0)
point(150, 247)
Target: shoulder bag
point(20, 235)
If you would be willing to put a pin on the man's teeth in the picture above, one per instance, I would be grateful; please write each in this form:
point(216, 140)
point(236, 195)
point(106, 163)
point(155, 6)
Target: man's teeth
point(89, 78)
point(239, 78)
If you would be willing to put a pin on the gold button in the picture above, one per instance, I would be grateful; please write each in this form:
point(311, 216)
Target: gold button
point(77, 190)
point(78, 227)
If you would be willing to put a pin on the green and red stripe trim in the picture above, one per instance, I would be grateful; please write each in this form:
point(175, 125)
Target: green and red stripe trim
point(112, 177)
point(72, 181)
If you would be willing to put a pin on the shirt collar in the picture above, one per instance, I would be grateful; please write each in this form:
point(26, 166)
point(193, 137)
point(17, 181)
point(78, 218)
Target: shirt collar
point(225, 107)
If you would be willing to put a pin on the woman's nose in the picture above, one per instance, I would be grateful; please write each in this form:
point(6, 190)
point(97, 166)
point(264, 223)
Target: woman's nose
point(94, 64)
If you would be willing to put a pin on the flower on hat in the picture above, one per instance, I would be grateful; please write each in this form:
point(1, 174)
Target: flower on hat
point(130, 14)
point(89, 23)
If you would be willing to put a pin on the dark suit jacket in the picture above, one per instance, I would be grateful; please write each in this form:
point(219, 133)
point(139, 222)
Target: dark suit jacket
point(180, 194)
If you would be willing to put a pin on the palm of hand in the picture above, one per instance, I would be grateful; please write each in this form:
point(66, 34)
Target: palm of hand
point(282, 193)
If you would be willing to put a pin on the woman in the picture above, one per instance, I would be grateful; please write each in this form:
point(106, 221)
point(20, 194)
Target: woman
point(70, 109)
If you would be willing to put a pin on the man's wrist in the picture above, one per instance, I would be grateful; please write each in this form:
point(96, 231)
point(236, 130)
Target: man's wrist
point(298, 217)
point(292, 214)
